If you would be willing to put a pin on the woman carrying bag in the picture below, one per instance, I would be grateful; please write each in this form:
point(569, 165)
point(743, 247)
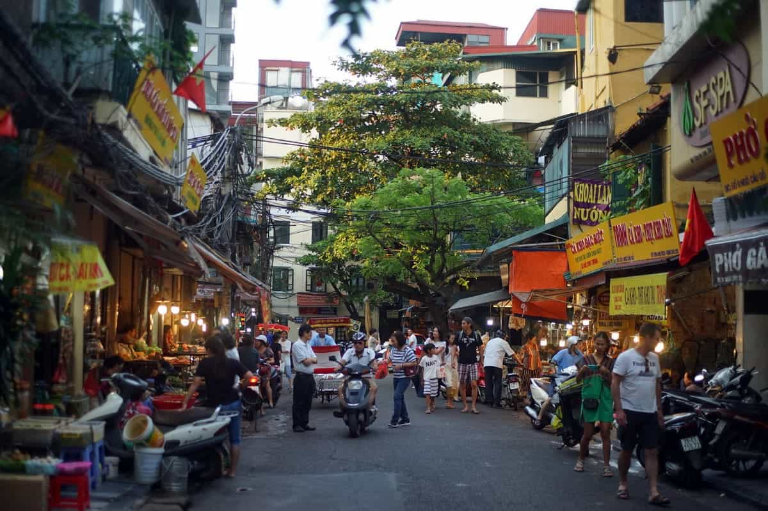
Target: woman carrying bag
point(596, 401)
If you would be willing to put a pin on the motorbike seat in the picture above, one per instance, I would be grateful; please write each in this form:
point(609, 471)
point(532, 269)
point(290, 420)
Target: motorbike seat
point(179, 417)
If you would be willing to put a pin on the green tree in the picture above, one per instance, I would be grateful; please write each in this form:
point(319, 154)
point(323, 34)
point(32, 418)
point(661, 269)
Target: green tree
point(378, 128)
point(403, 234)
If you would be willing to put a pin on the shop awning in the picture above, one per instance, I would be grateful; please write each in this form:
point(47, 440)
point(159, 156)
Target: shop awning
point(246, 282)
point(510, 243)
point(739, 258)
point(500, 295)
point(156, 239)
point(532, 270)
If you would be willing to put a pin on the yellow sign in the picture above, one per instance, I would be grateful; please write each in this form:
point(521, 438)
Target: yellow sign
point(194, 184)
point(740, 140)
point(77, 267)
point(644, 295)
point(612, 325)
point(49, 174)
point(590, 251)
point(152, 106)
point(646, 235)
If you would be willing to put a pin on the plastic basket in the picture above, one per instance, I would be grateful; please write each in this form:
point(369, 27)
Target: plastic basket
point(73, 467)
point(12, 466)
point(40, 467)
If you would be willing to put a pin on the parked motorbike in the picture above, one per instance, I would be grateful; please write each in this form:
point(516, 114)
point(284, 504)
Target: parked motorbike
point(358, 412)
point(540, 391)
point(252, 400)
point(197, 434)
point(511, 396)
point(681, 454)
point(731, 383)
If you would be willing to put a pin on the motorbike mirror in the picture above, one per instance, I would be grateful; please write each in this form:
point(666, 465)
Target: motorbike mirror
point(332, 358)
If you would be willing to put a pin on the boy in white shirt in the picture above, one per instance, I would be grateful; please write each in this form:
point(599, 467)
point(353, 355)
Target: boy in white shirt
point(430, 363)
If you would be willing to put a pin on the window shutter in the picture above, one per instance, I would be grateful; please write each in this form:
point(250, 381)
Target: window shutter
point(290, 279)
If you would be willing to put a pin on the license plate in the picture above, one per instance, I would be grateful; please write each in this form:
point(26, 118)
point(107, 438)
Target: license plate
point(691, 444)
point(513, 385)
point(720, 427)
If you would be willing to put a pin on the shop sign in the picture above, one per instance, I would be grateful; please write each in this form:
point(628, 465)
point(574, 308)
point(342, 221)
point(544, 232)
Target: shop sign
point(641, 295)
point(646, 235)
point(590, 251)
point(329, 322)
point(77, 267)
point(266, 305)
point(49, 172)
point(152, 107)
point(194, 184)
point(713, 91)
point(298, 319)
point(611, 325)
point(740, 141)
point(316, 299)
point(591, 201)
point(740, 261)
point(393, 314)
point(658, 320)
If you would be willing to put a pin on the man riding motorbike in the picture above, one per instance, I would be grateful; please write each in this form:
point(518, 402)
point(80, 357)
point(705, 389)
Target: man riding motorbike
point(359, 354)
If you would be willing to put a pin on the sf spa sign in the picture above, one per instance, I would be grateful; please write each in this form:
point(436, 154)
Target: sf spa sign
point(590, 251)
point(646, 235)
point(740, 141)
point(644, 295)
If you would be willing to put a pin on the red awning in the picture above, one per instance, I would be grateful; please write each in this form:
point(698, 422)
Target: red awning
point(531, 270)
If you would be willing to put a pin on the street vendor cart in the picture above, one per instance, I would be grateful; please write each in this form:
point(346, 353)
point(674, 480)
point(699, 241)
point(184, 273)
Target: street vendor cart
point(328, 379)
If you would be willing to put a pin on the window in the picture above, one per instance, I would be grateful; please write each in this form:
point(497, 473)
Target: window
point(282, 233)
point(314, 283)
point(146, 22)
point(282, 279)
point(531, 84)
point(296, 77)
point(358, 283)
point(591, 28)
point(271, 77)
point(549, 44)
point(319, 231)
point(478, 40)
point(643, 11)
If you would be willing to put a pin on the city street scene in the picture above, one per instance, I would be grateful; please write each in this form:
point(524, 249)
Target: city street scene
point(383, 255)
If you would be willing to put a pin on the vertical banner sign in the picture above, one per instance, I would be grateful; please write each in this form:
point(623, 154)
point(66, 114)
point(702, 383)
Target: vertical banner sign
point(590, 251)
point(740, 141)
point(642, 295)
point(49, 172)
point(152, 107)
point(591, 201)
point(77, 267)
point(266, 305)
point(646, 235)
point(194, 184)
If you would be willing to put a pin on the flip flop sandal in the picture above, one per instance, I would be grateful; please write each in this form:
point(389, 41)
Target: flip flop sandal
point(607, 472)
point(622, 493)
point(659, 500)
point(475, 412)
point(579, 466)
point(465, 411)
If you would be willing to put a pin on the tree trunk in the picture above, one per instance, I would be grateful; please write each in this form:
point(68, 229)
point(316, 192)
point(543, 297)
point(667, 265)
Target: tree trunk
point(439, 316)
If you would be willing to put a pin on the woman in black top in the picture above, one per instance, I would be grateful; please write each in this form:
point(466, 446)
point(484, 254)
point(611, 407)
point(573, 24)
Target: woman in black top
point(219, 372)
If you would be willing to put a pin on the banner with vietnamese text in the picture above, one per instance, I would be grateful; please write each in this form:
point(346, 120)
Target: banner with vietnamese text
point(641, 296)
point(591, 201)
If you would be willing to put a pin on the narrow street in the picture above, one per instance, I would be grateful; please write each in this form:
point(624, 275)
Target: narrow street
point(447, 460)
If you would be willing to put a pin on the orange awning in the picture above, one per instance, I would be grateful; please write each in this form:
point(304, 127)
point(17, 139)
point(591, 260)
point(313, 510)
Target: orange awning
point(532, 270)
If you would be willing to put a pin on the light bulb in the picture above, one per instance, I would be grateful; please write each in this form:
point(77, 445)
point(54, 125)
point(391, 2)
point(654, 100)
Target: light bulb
point(636, 339)
point(225, 321)
point(543, 342)
point(162, 309)
point(200, 322)
point(489, 322)
point(253, 310)
point(659, 347)
point(569, 326)
point(561, 343)
point(204, 327)
point(175, 309)
point(248, 330)
point(615, 336)
point(184, 321)
point(585, 322)
point(192, 317)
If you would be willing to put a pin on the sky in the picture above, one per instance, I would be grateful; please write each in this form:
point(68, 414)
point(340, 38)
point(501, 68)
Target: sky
point(298, 30)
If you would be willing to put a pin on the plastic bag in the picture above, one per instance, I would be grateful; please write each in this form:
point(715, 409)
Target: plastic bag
point(382, 371)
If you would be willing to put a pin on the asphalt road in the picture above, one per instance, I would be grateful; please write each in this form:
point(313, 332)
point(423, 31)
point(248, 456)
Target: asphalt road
point(446, 460)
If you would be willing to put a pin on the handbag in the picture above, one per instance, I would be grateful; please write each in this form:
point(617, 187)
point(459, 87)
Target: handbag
point(410, 372)
point(590, 393)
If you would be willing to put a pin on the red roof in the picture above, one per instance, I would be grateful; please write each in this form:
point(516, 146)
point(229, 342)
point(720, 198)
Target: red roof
point(505, 48)
point(551, 21)
point(454, 24)
point(497, 35)
point(293, 64)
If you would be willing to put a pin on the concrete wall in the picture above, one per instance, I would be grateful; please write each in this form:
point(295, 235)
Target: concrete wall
point(518, 109)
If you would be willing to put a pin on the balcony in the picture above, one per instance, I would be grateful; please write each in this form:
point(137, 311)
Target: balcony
point(226, 28)
point(225, 65)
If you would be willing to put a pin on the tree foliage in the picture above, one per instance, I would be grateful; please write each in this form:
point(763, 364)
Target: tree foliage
point(376, 129)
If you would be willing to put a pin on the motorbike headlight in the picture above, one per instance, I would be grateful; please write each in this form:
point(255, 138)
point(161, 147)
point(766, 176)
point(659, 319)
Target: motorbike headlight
point(355, 385)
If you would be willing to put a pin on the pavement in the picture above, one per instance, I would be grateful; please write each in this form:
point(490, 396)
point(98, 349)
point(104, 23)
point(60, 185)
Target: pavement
point(446, 460)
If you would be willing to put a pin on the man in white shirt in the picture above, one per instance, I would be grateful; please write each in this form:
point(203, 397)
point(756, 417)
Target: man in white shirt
point(413, 341)
point(359, 354)
point(636, 389)
point(493, 362)
point(303, 358)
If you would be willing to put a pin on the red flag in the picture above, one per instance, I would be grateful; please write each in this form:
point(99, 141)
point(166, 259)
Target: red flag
point(193, 86)
point(697, 231)
point(7, 126)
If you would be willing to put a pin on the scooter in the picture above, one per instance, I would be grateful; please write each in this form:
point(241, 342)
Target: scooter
point(357, 411)
point(681, 454)
point(195, 434)
point(542, 389)
point(252, 400)
point(511, 397)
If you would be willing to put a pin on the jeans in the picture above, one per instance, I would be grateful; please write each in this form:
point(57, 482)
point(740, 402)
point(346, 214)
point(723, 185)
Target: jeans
point(303, 392)
point(401, 412)
point(493, 385)
point(234, 422)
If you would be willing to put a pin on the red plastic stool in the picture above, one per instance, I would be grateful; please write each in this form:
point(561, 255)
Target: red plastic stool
point(82, 500)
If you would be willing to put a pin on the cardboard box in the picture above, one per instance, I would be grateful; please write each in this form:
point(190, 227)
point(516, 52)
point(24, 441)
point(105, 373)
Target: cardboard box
point(23, 492)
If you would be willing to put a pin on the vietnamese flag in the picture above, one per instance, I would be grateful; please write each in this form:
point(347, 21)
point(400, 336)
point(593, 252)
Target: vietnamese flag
point(193, 86)
point(697, 231)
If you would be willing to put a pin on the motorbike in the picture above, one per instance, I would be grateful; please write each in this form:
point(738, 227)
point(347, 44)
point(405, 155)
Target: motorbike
point(252, 400)
point(681, 453)
point(358, 412)
point(197, 434)
point(563, 412)
point(511, 395)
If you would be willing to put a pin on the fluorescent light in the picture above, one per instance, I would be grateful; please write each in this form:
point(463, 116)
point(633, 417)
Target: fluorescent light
point(586, 321)
point(192, 317)
point(204, 327)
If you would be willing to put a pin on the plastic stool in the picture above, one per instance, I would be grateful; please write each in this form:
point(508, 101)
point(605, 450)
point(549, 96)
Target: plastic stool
point(100, 455)
point(82, 500)
point(93, 453)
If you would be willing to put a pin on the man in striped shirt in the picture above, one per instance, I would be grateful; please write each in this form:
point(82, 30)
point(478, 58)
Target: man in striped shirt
point(401, 357)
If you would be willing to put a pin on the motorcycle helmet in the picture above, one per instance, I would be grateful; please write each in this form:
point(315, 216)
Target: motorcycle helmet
point(358, 336)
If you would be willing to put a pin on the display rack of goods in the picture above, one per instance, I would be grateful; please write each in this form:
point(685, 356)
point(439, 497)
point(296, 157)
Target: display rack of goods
point(37, 431)
point(80, 435)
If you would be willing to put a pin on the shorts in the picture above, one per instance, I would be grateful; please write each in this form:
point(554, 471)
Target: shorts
point(467, 372)
point(642, 428)
point(234, 421)
point(287, 369)
point(431, 387)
